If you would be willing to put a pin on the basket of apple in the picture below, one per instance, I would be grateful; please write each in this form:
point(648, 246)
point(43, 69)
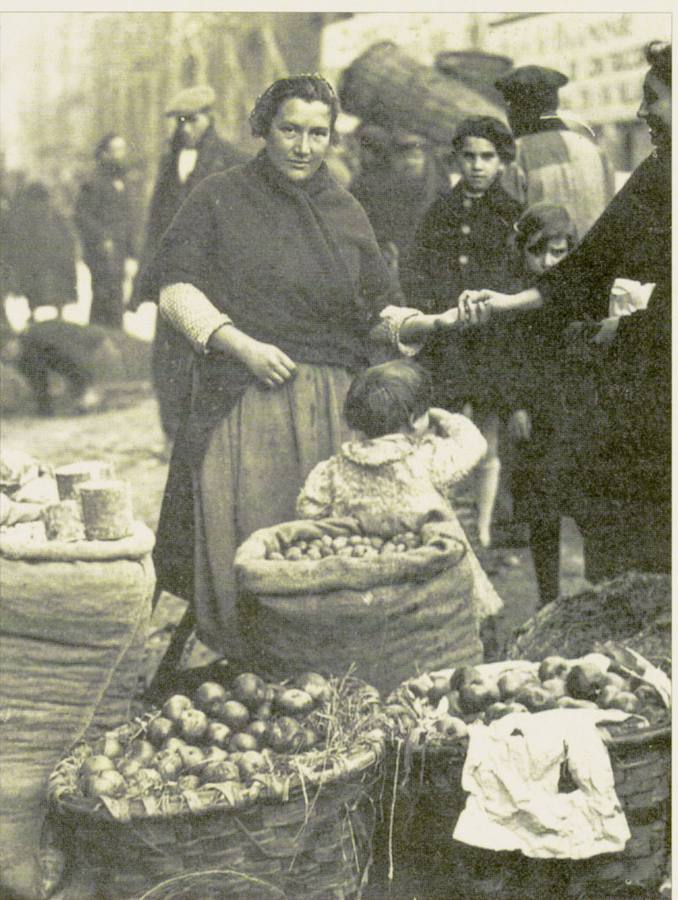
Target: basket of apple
point(266, 784)
point(429, 717)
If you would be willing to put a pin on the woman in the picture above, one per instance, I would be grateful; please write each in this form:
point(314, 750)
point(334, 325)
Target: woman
point(626, 466)
point(272, 271)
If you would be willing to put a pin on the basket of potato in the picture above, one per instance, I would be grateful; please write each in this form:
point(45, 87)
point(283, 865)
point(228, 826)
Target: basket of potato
point(429, 718)
point(236, 791)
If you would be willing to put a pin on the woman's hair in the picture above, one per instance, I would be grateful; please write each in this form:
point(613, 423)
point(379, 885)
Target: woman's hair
point(492, 130)
point(658, 55)
point(302, 87)
point(104, 144)
point(539, 224)
point(384, 398)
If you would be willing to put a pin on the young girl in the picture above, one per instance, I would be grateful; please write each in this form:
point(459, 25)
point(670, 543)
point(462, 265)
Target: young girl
point(399, 474)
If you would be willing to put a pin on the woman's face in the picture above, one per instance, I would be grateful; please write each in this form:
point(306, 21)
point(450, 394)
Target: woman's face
point(543, 255)
point(655, 109)
point(299, 137)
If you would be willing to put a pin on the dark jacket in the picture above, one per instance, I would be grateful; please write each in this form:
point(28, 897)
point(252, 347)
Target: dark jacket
point(102, 212)
point(214, 155)
point(462, 244)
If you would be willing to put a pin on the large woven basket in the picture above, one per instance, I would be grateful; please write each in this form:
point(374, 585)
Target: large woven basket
point(307, 836)
point(386, 86)
point(430, 798)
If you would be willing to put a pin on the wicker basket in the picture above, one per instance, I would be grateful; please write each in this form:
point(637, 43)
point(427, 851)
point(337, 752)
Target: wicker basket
point(388, 87)
point(430, 799)
point(307, 836)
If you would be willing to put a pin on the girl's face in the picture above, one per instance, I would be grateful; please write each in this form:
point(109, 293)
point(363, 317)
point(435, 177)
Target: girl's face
point(479, 163)
point(543, 255)
point(299, 138)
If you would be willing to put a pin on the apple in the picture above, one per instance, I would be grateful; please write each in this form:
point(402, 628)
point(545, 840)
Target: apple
point(109, 783)
point(218, 733)
point(584, 681)
point(173, 743)
point(555, 687)
point(250, 763)
point(193, 724)
point(553, 667)
point(192, 757)
point(440, 687)
point(513, 707)
point(259, 729)
point(210, 696)
point(129, 767)
point(452, 726)
point(496, 711)
point(263, 712)
point(283, 733)
point(215, 754)
point(535, 698)
point(511, 682)
point(158, 730)
point(173, 708)
point(270, 691)
point(96, 765)
point(615, 680)
point(294, 701)
point(142, 750)
point(234, 714)
point(476, 695)
point(168, 764)
point(188, 782)
point(606, 696)
point(465, 675)
point(243, 741)
point(315, 686)
point(112, 748)
point(249, 689)
point(222, 770)
point(625, 701)
point(148, 779)
point(308, 738)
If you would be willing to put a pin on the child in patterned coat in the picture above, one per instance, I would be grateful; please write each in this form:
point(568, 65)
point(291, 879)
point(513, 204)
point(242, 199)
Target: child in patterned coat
point(399, 474)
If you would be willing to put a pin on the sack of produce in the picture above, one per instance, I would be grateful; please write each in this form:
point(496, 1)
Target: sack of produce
point(432, 719)
point(74, 623)
point(322, 595)
point(254, 790)
point(634, 608)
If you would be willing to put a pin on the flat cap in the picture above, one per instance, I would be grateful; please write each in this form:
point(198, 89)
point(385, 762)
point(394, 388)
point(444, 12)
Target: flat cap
point(530, 81)
point(191, 100)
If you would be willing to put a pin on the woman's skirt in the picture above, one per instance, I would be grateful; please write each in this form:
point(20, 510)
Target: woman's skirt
point(256, 462)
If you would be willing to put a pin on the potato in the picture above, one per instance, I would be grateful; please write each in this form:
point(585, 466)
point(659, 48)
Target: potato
point(340, 542)
point(294, 553)
point(275, 555)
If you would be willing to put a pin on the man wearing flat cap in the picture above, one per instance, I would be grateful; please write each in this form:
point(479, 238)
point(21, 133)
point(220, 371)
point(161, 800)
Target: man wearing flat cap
point(557, 158)
point(195, 151)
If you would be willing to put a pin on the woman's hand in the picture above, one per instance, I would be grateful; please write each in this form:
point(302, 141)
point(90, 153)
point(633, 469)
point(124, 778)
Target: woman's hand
point(267, 362)
point(475, 307)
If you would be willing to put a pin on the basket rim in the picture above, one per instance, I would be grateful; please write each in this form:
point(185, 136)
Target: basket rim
point(365, 754)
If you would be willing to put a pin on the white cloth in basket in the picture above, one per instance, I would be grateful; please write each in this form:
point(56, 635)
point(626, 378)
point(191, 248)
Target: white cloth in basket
point(512, 770)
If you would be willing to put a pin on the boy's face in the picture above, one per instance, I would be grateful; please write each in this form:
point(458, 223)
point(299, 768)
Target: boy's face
point(479, 164)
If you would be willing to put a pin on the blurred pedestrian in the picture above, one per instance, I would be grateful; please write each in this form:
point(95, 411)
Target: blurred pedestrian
point(557, 158)
point(39, 249)
point(104, 221)
point(196, 150)
point(84, 356)
point(399, 184)
point(462, 241)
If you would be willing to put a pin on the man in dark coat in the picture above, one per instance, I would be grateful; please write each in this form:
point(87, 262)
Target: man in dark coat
point(104, 222)
point(557, 159)
point(196, 151)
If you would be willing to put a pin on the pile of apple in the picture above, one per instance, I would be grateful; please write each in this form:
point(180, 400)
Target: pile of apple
point(471, 695)
point(218, 736)
point(355, 545)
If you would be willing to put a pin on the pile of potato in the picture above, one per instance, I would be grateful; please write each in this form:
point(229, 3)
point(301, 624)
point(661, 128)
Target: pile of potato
point(472, 695)
point(355, 545)
point(217, 736)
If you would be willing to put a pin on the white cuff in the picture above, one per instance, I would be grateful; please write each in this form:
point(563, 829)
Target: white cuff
point(394, 317)
point(191, 313)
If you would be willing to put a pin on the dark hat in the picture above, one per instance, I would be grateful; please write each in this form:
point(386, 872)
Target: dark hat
point(528, 82)
point(189, 101)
